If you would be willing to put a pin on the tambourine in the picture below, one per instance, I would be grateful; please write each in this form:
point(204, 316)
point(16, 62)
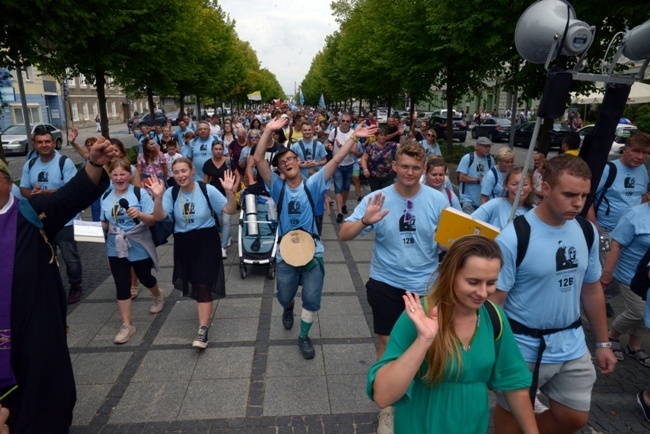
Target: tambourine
point(297, 248)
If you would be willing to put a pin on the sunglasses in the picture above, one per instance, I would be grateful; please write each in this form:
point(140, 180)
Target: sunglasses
point(253, 137)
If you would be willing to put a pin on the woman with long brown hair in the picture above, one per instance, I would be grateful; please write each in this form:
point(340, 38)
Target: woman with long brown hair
point(443, 353)
point(151, 163)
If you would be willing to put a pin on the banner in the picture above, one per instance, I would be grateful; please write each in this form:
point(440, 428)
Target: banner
point(255, 96)
point(321, 101)
point(302, 98)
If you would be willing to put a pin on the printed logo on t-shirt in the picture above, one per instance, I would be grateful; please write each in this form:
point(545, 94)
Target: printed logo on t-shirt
point(566, 258)
point(117, 212)
point(407, 224)
point(479, 168)
point(43, 176)
point(629, 182)
point(294, 212)
point(204, 147)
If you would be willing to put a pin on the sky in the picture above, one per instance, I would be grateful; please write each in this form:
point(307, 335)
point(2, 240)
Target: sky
point(286, 35)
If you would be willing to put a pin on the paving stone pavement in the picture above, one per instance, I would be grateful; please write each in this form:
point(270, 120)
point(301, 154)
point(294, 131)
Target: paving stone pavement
point(252, 378)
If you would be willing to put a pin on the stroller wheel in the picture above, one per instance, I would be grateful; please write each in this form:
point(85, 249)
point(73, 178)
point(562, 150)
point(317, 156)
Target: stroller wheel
point(271, 273)
point(242, 270)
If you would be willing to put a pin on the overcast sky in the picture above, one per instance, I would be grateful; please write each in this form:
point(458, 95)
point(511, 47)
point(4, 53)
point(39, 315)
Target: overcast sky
point(286, 35)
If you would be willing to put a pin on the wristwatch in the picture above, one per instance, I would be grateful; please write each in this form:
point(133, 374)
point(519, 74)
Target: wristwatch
point(603, 345)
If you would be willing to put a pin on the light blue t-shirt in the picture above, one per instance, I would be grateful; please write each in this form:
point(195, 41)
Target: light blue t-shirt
point(431, 150)
point(200, 151)
point(311, 148)
point(480, 166)
point(405, 254)
point(296, 212)
point(138, 135)
point(633, 233)
point(493, 187)
point(497, 211)
point(544, 291)
point(113, 213)
point(191, 210)
point(180, 135)
point(627, 190)
point(48, 175)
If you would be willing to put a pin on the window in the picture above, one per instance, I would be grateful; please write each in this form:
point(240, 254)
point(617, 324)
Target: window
point(34, 114)
point(109, 81)
point(75, 112)
point(95, 110)
point(82, 81)
point(86, 112)
point(113, 110)
point(70, 78)
point(28, 74)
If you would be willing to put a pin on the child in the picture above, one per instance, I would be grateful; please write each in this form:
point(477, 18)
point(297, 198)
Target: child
point(171, 156)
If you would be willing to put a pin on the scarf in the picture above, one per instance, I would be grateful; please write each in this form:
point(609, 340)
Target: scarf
point(8, 233)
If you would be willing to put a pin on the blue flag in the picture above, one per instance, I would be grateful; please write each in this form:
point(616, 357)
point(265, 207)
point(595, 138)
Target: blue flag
point(321, 101)
point(302, 98)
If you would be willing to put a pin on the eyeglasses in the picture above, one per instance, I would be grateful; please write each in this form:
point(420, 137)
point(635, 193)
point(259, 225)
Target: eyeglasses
point(286, 161)
point(409, 218)
point(431, 135)
point(253, 137)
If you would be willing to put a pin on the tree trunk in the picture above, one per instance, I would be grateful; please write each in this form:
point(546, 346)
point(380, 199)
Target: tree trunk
point(152, 108)
point(100, 84)
point(181, 105)
point(450, 113)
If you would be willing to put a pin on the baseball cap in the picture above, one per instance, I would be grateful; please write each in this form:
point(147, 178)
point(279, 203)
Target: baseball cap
point(484, 141)
point(282, 151)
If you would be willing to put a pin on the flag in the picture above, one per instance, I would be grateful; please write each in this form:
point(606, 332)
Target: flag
point(255, 96)
point(321, 101)
point(277, 102)
point(302, 98)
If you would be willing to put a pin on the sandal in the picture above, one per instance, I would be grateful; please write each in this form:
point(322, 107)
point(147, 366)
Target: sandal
point(616, 349)
point(640, 356)
point(135, 290)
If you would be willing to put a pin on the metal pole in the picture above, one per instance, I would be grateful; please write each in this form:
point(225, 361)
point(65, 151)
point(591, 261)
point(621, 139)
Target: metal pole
point(23, 102)
point(529, 157)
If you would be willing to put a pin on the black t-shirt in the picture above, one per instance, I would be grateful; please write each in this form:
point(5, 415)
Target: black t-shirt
point(216, 173)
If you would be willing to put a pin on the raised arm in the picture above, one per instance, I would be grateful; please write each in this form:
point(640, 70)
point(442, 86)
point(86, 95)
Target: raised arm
point(360, 131)
point(263, 167)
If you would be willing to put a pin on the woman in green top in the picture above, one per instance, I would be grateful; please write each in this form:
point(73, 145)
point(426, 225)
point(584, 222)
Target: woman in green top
point(442, 355)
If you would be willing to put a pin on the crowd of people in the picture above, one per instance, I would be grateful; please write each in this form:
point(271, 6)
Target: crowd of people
point(501, 315)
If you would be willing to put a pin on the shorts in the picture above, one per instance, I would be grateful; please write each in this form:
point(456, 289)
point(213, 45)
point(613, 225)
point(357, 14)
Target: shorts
point(567, 383)
point(342, 179)
point(387, 305)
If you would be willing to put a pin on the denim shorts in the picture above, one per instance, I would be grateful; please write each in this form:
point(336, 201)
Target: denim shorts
point(342, 179)
point(288, 278)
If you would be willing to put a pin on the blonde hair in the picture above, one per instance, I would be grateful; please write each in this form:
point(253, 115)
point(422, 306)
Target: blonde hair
point(445, 349)
point(504, 154)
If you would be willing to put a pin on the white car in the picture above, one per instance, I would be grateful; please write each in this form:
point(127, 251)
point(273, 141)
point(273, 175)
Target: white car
point(15, 141)
point(623, 131)
point(382, 116)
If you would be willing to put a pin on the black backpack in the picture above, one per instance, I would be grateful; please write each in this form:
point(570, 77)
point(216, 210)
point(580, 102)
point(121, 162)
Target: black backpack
point(640, 282)
point(608, 183)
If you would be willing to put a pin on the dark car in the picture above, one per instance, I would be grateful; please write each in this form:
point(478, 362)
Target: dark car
point(439, 124)
point(160, 119)
point(524, 133)
point(495, 129)
point(174, 117)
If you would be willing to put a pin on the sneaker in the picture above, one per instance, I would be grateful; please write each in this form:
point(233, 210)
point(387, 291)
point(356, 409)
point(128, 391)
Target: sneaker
point(608, 310)
point(539, 407)
point(616, 349)
point(644, 406)
point(125, 333)
point(386, 420)
point(75, 294)
point(359, 199)
point(229, 242)
point(339, 218)
point(135, 290)
point(639, 355)
point(157, 303)
point(344, 210)
point(201, 339)
point(306, 347)
point(287, 317)
point(224, 254)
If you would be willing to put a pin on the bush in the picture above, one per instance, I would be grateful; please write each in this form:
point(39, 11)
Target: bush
point(643, 122)
point(132, 154)
point(458, 152)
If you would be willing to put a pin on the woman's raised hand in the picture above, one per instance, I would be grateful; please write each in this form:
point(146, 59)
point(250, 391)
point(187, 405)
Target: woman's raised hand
point(426, 326)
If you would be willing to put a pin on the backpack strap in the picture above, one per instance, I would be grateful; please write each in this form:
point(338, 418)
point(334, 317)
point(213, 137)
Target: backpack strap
point(495, 319)
point(31, 163)
point(136, 191)
point(62, 159)
point(611, 176)
point(522, 230)
point(175, 190)
point(204, 190)
point(449, 196)
point(587, 230)
point(496, 179)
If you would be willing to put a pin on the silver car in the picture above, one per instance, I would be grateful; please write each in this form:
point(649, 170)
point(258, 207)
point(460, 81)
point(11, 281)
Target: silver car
point(14, 140)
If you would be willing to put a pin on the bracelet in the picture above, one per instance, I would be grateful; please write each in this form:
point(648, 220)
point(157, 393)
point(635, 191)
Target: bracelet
point(364, 223)
point(603, 345)
point(92, 163)
point(353, 137)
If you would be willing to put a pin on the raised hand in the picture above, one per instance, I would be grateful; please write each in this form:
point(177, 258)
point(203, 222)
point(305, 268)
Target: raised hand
point(365, 131)
point(72, 135)
point(228, 180)
point(374, 212)
point(102, 152)
point(156, 186)
point(426, 326)
point(278, 123)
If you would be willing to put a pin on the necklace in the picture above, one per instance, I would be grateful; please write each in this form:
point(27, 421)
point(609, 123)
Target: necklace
point(478, 320)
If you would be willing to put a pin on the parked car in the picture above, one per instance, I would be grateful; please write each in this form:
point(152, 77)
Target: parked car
point(524, 133)
point(495, 129)
point(424, 116)
point(174, 116)
point(443, 113)
point(623, 131)
point(14, 140)
point(439, 124)
point(161, 119)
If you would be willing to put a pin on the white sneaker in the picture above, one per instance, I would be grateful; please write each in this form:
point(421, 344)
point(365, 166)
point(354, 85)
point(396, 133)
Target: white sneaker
point(386, 420)
point(224, 254)
point(157, 303)
point(229, 241)
point(125, 333)
point(539, 407)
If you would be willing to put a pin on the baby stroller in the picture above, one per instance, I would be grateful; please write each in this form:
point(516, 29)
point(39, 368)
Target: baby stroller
point(258, 232)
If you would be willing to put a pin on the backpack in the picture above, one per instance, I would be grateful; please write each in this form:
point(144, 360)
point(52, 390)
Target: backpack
point(522, 230)
point(471, 161)
point(640, 282)
point(608, 183)
point(161, 230)
point(62, 159)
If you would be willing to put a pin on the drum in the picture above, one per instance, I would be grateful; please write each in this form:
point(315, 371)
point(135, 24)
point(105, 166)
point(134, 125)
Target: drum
point(297, 248)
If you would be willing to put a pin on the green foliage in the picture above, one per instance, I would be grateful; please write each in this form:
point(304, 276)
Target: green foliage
point(454, 155)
